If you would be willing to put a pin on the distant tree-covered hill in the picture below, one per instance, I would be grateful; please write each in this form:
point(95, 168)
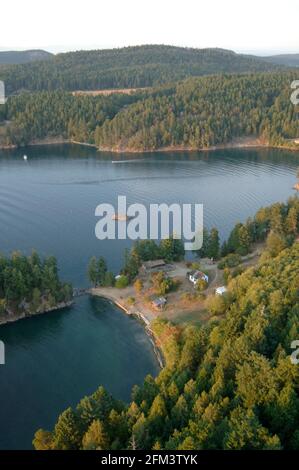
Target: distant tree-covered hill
point(289, 60)
point(22, 57)
point(194, 113)
point(128, 67)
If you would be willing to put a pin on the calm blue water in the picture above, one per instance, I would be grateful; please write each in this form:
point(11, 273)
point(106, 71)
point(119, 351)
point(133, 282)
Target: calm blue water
point(48, 204)
point(54, 360)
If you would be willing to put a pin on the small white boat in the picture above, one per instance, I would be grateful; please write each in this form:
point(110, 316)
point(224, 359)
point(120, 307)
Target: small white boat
point(25, 157)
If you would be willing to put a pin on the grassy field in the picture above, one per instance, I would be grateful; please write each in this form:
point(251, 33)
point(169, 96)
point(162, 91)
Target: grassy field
point(107, 92)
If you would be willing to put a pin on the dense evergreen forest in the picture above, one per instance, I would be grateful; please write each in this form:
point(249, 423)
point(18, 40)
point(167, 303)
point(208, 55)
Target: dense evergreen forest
point(127, 67)
point(202, 112)
point(29, 284)
point(46, 114)
point(194, 113)
point(228, 384)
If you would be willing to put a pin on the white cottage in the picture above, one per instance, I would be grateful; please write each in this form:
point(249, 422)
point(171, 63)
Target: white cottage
point(220, 290)
point(196, 276)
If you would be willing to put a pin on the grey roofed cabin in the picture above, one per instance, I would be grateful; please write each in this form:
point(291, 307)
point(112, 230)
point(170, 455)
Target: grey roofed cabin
point(150, 265)
point(159, 302)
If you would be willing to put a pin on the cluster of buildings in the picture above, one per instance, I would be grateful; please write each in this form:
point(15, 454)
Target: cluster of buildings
point(194, 277)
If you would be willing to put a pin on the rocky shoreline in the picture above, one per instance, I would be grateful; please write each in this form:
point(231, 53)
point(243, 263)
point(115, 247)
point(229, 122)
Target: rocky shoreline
point(12, 317)
point(241, 143)
point(238, 144)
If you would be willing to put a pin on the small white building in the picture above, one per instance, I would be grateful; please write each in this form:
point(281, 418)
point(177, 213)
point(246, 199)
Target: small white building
point(196, 276)
point(220, 290)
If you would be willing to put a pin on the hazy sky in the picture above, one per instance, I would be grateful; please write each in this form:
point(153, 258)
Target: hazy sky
point(262, 26)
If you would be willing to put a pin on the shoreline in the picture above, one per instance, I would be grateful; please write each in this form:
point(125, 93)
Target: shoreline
point(191, 150)
point(242, 144)
point(12, 318)
point(132, 312)
point(239, 143)
point(47, 142)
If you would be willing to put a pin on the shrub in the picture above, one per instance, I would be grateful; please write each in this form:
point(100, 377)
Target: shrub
point(226, 275)
point(195, 266)
point(131, 300)
point(230, 261)
point(237, 271)
point(138, 285)
point(275, 244)
point(201, 285)
point(109, 279)
point(188, 296)
point(122, 282)
point(201, 296)
point(162, 284)
point(216, 304)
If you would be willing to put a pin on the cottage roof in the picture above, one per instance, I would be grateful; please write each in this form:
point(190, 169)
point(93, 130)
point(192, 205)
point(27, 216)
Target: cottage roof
point(153, 264)
point(159, 302)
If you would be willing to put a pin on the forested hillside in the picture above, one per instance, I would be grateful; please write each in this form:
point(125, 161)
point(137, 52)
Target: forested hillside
point(202, 112)
point(229, 384)
point(128, 67)
point(194, 113)
point(58, 113)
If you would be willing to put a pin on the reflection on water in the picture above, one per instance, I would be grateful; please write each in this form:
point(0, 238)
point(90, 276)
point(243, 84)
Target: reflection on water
point(48, 202)
point(53, 360)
